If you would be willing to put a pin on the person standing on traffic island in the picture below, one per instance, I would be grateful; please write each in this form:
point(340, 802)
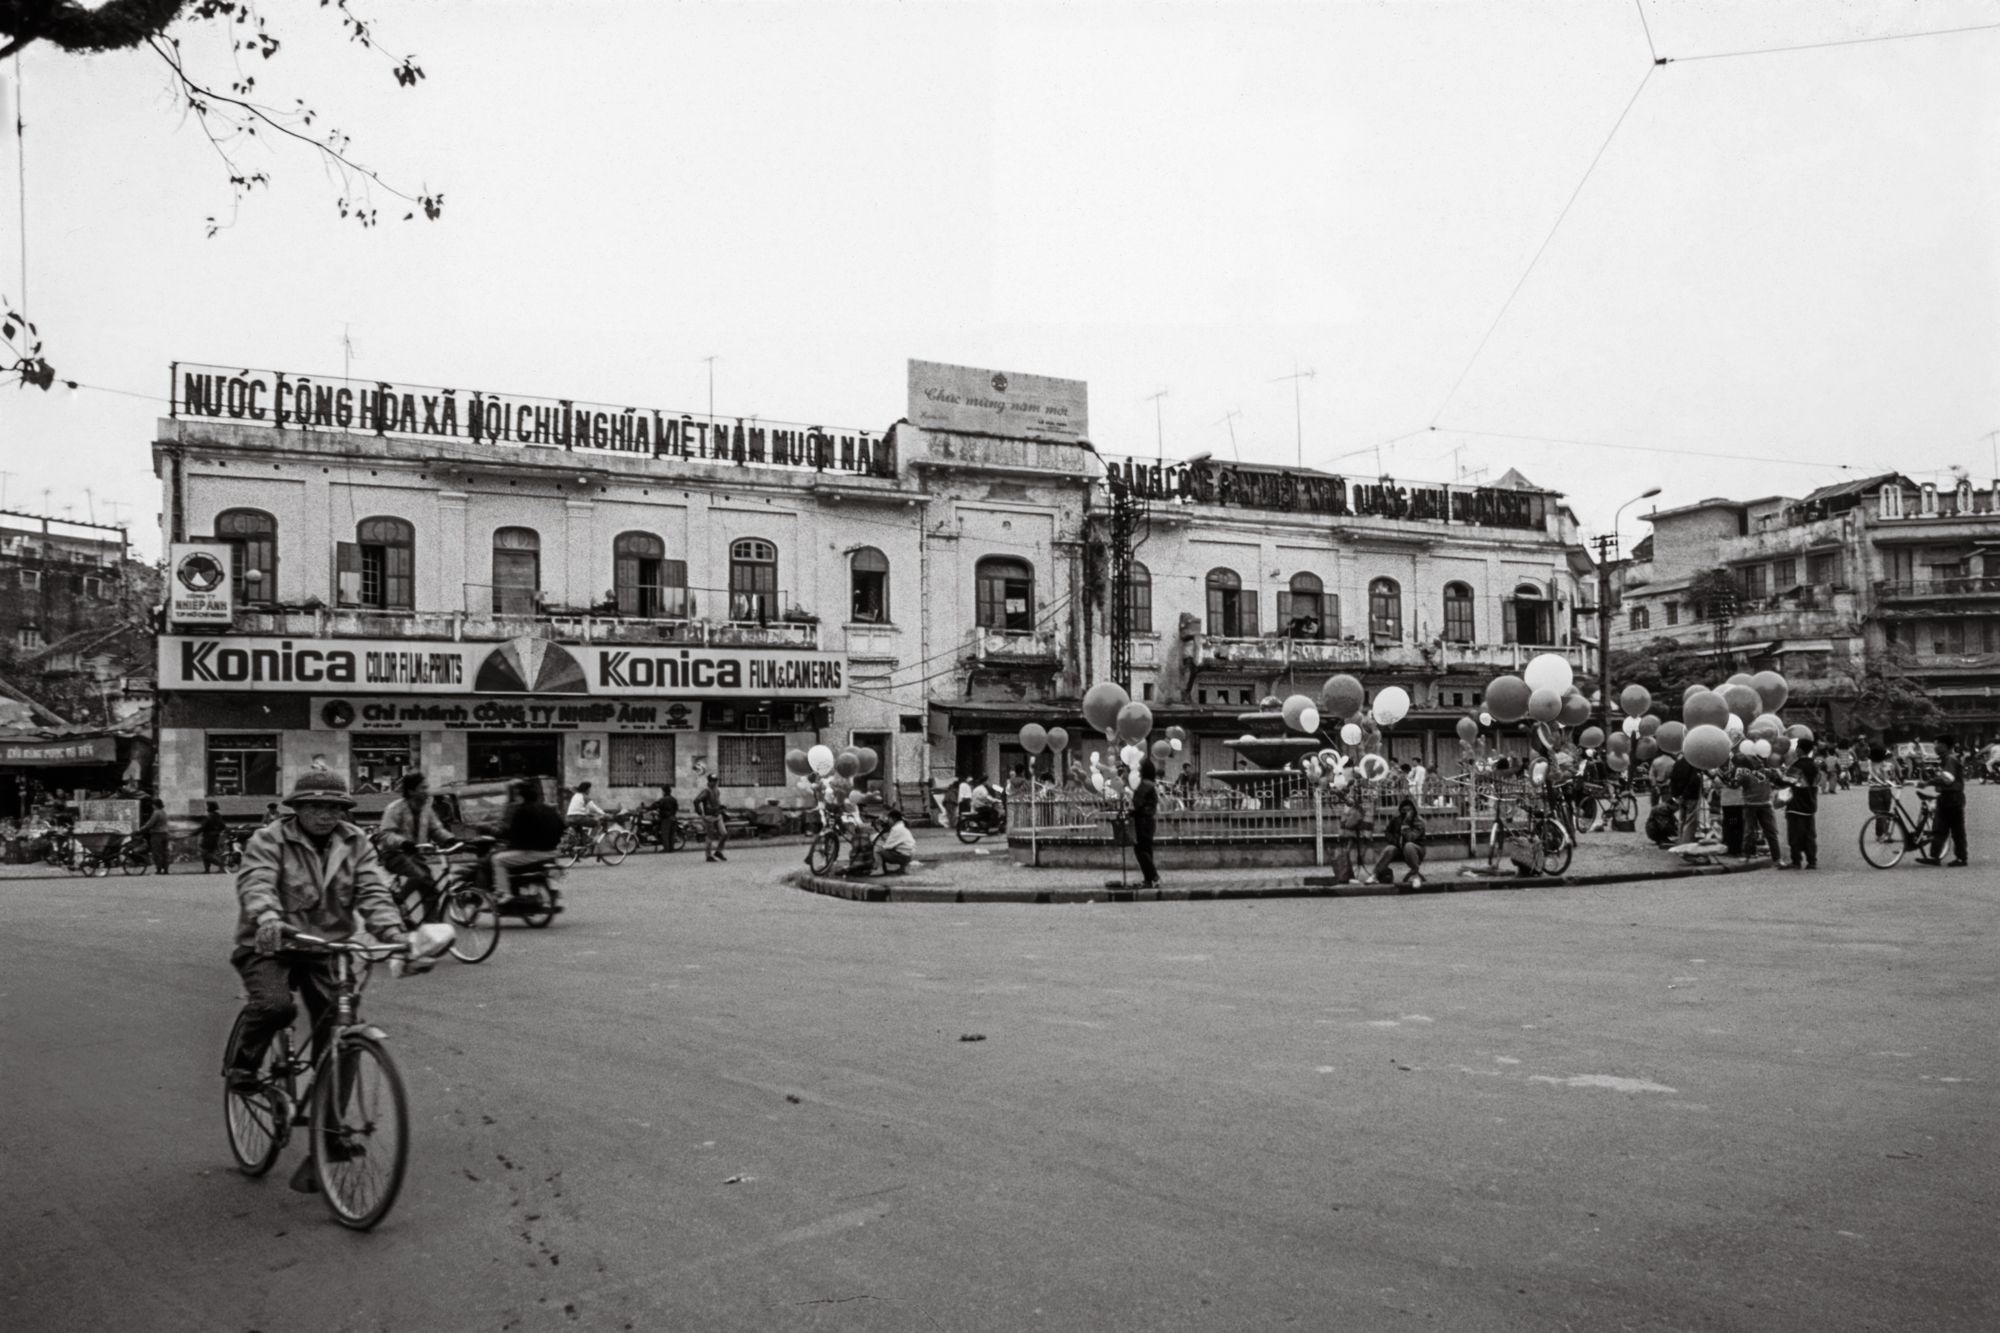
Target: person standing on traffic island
point(1405, 840)
point(714, 827)
point(1949, 779)
point(1145, 814)
point(1802, 814)
point(311, 872)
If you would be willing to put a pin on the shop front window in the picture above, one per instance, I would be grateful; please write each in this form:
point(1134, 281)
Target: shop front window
point(379, 762)
point(750, 761)
point(241, 765)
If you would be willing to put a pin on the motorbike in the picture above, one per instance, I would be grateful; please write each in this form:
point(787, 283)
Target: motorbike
point(975, 822)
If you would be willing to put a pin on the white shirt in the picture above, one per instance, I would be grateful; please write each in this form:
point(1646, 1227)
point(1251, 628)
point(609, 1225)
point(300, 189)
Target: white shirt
point(580, 805)
point(898, 839)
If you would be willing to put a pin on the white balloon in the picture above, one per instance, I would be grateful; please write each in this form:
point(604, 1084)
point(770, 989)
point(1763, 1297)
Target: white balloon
point(1746, 747)
point(1763, 749)
point(1309, 721)
point(1486, 719)
point(1131, 754)
point(1550, 671)
point(1176, 745)
point(1631, 725)
point(1351, 734)
point(1132, 780)
point(1539, 774)
point(1097, 781)
point(1392, 705)
point(821, 759)
point(1734, 727)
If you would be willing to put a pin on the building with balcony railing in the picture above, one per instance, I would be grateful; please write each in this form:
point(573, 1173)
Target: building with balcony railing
point(1253, 581)
point(1877, 575)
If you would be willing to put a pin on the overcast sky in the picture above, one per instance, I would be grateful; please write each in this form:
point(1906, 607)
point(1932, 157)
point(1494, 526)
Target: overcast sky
point(1787, 259)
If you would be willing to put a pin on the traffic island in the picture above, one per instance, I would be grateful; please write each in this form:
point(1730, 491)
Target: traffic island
point(998, 881)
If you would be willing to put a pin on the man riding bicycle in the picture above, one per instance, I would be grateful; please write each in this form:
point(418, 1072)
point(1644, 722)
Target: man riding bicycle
point(583, 812)
point(311, 873)
point(412, 819)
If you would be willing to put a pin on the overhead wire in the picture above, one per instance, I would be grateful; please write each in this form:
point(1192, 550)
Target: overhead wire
point(1641, 448)
point(1823, 46)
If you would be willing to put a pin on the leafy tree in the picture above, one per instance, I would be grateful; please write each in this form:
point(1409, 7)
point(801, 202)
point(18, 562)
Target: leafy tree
point(1882, 696)
point(231, 113)
point(1666, 668)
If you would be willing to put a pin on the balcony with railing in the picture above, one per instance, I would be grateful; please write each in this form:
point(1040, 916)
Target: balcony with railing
point(989, 647)
point(658, 616)
point(1932, 590)
point(1279, 653)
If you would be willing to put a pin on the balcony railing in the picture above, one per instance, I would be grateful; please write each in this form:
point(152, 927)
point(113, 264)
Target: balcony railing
point(553, 623)
point(1007, 647)
point(1893, 590)
point(1279, 653)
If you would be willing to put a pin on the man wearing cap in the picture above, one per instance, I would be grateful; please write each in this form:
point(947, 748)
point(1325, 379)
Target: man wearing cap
point(312, 871)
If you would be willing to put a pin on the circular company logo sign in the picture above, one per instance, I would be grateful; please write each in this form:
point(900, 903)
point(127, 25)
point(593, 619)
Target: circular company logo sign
point(999, 383)
point(199, 571)
point(338, 714)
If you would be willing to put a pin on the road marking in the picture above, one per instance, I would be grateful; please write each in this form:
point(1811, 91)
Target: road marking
point(1611, 1081)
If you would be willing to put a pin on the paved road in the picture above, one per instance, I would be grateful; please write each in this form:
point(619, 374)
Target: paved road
point(1765, 1102)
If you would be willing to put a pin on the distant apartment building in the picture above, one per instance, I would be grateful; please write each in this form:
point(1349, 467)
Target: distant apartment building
point(1880, 574)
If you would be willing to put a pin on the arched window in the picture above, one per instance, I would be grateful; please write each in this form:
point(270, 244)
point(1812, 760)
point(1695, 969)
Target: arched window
point(644, 581)
point(1300, 607)
point(387, 551)
point(1385, 611)
point(252, 535)
point(1232, 611)
point(1005, 594)
point(517, 571)
point(1458, 613)
point(868, 570)
point(1529, 616)
point(753, 580)
point(1139, 599)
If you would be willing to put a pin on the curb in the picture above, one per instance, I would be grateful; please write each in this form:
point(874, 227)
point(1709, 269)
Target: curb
point(875, 891)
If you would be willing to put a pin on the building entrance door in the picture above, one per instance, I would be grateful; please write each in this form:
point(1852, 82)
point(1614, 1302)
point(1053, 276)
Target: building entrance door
point(971, 756)
point(497, 758)
point(883, 779)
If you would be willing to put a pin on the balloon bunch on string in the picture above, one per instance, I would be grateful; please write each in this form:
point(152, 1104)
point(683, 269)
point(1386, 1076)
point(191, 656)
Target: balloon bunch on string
point(1344, 699)
point(829, 775)
point(1036, 739)
point(1546, 697)
point(1739, 719)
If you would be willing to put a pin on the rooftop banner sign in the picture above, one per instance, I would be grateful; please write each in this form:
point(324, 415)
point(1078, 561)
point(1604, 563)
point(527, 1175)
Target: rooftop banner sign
point(998, 402)
point(284, 401)
point(516, 666)
point(1286, 491)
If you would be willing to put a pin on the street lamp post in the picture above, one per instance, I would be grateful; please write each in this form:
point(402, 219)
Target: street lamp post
point(1605, 546)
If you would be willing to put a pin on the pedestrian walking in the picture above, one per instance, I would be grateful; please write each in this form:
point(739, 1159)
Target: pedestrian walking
point(714, 825)
point(1802, 813)
point(1949, 779)
point(157, 833)
point(1145, 812)
point(1760, 821)
point(213, 826)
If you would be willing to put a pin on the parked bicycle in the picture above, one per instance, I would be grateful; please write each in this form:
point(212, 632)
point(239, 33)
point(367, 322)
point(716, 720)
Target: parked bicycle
point(825, 852)
point(349, 1095)
point(1888, 835)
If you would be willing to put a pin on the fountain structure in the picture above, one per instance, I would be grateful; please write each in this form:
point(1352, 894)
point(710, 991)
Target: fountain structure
point(1273, 751)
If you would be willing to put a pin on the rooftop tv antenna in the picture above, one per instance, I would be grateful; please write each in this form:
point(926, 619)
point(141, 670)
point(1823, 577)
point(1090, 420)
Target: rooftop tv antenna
point(1229, 420)
point(1159, 430)
point(1298, 404)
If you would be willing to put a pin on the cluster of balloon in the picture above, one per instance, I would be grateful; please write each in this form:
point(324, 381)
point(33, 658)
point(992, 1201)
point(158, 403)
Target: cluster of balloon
point(1102, 704)
point(1328, 767)
point(1035, 739)
point(1300, 715)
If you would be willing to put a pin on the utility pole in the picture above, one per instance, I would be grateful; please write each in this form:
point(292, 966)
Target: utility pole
point(1128, 509)
point(1298, 405)
point(1607, 551)
point(1159, 430)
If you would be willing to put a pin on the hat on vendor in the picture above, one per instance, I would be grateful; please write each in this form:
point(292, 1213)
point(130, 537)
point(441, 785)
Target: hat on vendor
point(319, 785)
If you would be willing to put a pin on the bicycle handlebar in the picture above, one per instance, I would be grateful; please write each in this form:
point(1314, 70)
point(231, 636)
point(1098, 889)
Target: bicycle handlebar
point(372, 952)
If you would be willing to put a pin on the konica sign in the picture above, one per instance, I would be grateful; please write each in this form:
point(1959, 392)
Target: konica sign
point(516, 666)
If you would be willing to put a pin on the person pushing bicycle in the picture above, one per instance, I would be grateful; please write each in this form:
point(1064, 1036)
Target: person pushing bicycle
point(312, 872)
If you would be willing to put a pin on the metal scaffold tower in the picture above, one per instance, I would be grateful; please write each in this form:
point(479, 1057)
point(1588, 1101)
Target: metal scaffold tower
point(1128, 510)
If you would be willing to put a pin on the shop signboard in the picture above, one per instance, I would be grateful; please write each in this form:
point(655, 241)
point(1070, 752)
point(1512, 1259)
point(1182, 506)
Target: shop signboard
point(198, 583)
point(54, 754)
point(998, 402)
point(360, 713)
point(106, 817)
point(525, 666)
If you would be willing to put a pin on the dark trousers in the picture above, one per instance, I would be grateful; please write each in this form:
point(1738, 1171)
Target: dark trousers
point(416, 876)
point(1732, 830)
point(1951, 824)
point(1142, 850)
point(1802, 837)
point(1760, 827)
point(715, 833)
point(211, 854)
point(157, 843)
point(270, 979)
point(1410, 854)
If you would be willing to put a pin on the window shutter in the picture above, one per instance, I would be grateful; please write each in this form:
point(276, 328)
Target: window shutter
point(1249, 613)
point(1507, 626)
point(1284, 609)
point(347, 573)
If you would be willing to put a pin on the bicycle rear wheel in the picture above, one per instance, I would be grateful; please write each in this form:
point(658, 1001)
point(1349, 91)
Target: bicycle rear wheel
point(360, 1132)
point(255, 1121)
point(570, 849)
point(1882, 843)
point(475, 923)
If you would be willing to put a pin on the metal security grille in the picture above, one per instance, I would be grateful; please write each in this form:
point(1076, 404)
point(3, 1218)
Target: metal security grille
point(642, 761)
point(751, 761)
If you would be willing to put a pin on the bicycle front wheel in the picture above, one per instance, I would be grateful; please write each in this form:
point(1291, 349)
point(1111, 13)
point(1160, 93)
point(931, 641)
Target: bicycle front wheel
point(570, 850)
point(1882, 844)
point(824, 851)
point(615, 846)
point(360, 1132)
point(475, 924)
point(255, 1120)
point(1627, 809)
point(1557, 847)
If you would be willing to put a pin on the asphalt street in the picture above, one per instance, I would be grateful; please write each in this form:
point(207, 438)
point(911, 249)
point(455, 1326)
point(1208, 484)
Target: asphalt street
point(705, 1101)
